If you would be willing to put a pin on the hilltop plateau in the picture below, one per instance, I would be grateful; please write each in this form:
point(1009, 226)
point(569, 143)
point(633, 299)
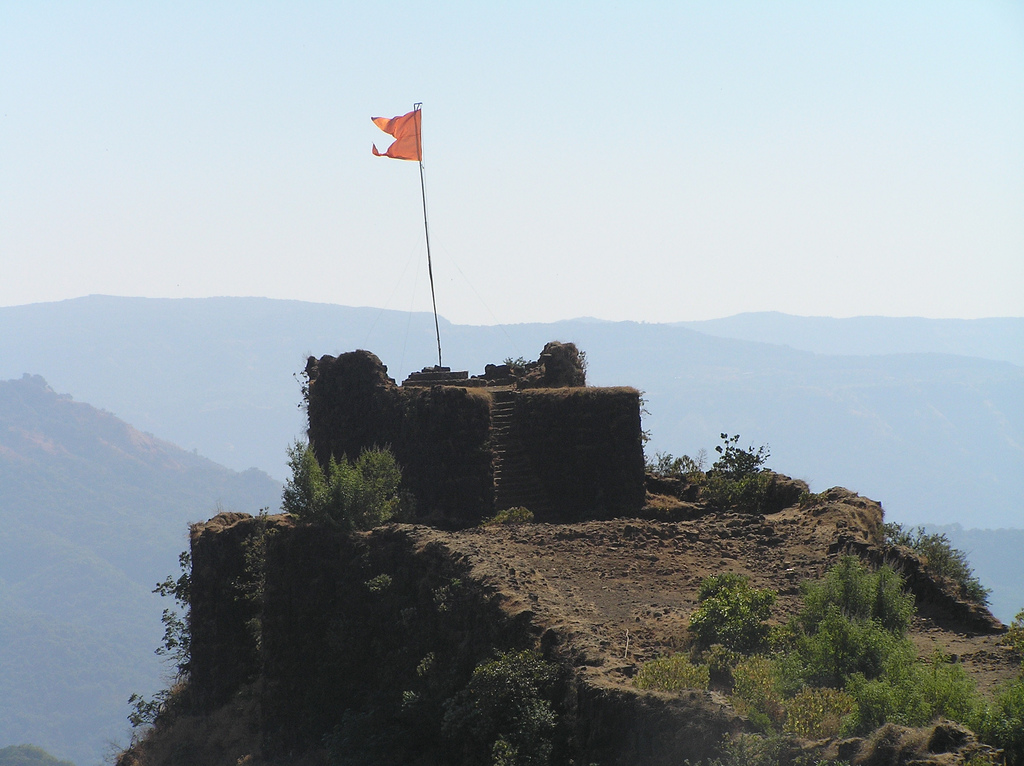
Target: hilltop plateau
point(367, 638)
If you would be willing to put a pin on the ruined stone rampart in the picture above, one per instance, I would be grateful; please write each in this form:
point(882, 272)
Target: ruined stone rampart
point(331, 622)
point(470, 446)
point(438, 434)
point(224, 652)
point(583, 445)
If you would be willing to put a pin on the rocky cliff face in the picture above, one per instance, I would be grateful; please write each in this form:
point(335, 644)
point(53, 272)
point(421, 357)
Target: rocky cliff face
point(332, 641)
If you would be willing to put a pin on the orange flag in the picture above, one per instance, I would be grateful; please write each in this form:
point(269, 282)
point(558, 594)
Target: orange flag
point(406, 130)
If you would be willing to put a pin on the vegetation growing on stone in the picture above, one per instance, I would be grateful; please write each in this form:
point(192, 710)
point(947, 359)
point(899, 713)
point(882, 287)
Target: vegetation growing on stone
point(351, 496)
point(176, 646)
point(737, 480)
point(942, 559)
point(252, 587)
point(517, 515)
point(504, 715)
point(843, 665)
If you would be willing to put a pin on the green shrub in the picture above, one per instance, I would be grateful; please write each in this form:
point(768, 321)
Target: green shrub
point(503, 715)
point(859, 594)
point(853, 622)
point(378, 584)
point(358, 495)
point(941, 559)
point(737, 479)
point(749, 494)
point(736, 463)
point(815, 713)
point(885, 700)
point(721, 662)
point(947, 689)
point(1000, 723)
point(517, 515)
point(757, 693)
point(752, 750)
point(669, 674)
point(176, 646)
point(668, 466)
point(851, 635)
point(177, 642)
point(1014, 637)
point(913, 693)
point(845, 664)
point(840, 647)
point(731, 613)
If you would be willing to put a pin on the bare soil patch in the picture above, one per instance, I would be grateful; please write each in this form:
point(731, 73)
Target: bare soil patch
point(618, 593)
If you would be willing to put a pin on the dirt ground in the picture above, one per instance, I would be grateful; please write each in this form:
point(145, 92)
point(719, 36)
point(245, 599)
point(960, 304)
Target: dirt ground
point(619, 593)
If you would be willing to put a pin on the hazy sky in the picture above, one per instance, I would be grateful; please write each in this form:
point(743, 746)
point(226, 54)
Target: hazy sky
point(654, 161)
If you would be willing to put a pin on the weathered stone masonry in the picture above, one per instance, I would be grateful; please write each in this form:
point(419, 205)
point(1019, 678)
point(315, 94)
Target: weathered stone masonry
point(470, 446)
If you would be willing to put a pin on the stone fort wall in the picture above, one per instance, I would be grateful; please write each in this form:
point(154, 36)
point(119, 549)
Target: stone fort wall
point(471, 446)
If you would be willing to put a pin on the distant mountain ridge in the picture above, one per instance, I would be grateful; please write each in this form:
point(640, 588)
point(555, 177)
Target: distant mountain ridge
point(92, 514)
point(996, 338)
point(929, 435)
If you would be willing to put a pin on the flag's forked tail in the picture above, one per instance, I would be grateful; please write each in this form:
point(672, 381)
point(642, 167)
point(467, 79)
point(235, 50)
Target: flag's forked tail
point(406, 130)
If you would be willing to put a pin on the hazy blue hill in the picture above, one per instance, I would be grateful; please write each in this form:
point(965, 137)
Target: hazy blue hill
point(933, 436)
point(214, 374)
point(92, 514)
point(998, 338)
point(28, 755)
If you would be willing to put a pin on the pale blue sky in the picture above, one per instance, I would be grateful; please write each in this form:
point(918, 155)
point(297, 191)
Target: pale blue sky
point(649, 161)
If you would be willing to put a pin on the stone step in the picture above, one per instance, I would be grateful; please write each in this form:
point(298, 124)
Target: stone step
point(514, 481)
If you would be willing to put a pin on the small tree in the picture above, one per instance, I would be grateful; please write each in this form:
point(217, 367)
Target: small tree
point(736, 463)
point(503, 716)
point(353, 496)
point(738, 478)
point(731, 613)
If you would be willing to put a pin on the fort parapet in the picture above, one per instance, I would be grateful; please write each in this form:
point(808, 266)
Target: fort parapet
point(527, 435)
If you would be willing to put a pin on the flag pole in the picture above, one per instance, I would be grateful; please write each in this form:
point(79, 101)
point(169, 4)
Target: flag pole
point(426, 231)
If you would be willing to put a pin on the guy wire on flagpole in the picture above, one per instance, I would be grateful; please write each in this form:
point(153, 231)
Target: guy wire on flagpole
point(426, 231)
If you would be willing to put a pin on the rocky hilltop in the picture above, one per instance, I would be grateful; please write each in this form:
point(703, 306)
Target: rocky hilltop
point(331, 641)
point(467, 641)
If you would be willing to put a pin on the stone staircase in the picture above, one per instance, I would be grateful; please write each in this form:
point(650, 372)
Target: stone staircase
point(514, 481)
